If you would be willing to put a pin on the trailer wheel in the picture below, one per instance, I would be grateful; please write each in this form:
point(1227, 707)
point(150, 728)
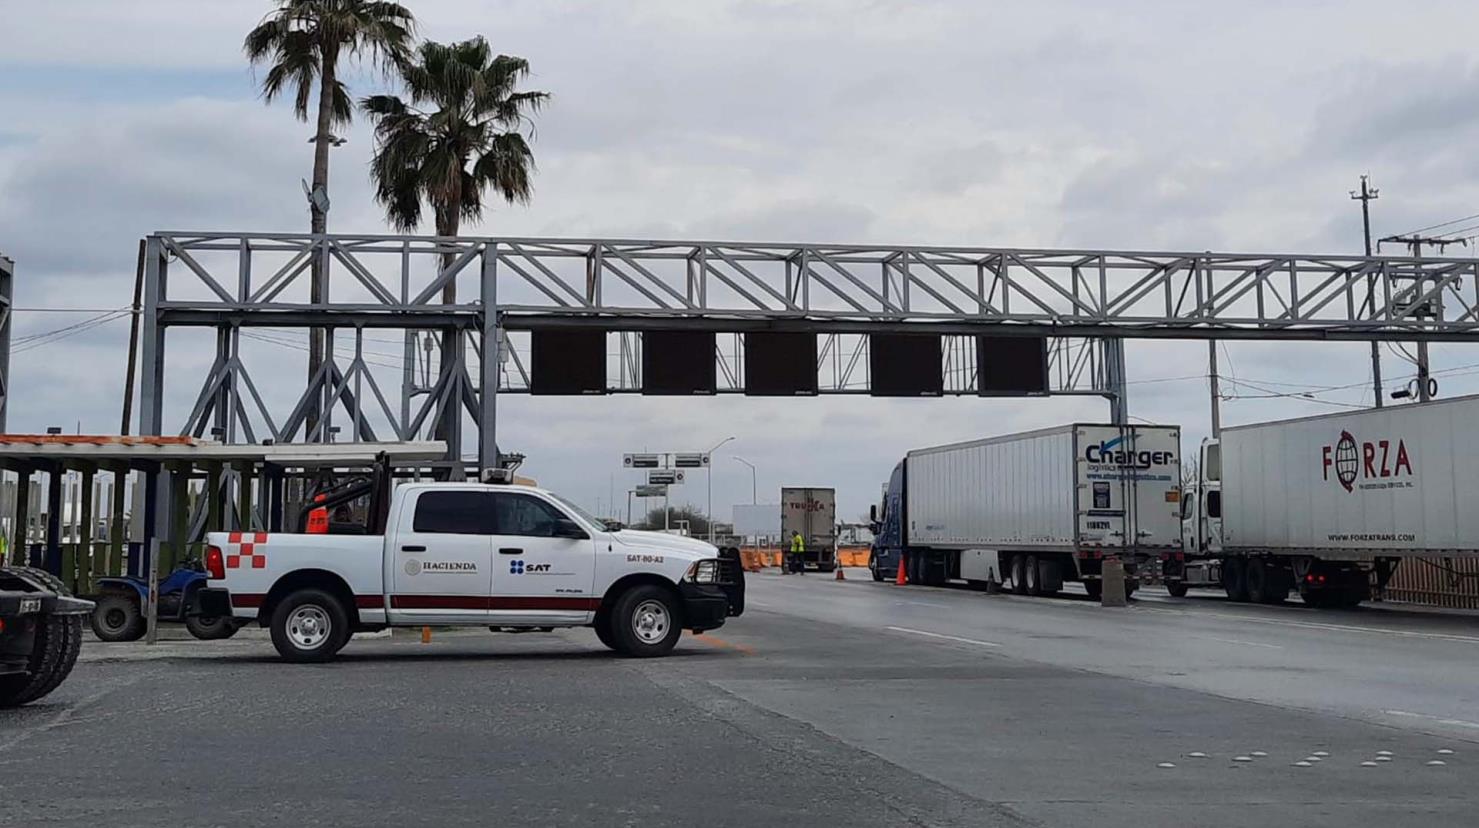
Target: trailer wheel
point(1235, 579)
point(1263, 583)
point(309, 625)
point(1095, 590)
point(1019, 574)
point(1033, 575)
point(1177, 589)
point(117, 618)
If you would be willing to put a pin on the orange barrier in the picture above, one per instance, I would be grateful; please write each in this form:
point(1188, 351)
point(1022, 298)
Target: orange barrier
point(753, 560)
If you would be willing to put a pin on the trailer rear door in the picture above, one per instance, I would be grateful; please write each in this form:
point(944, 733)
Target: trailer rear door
point(1129, 486)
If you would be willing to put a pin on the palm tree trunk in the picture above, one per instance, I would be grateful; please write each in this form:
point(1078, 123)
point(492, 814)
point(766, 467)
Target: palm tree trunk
point(449, 418)
point(318, 280)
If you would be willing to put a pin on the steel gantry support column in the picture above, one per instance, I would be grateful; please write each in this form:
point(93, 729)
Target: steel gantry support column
point(488, 404)
point(7, 290)
point(1114, 381)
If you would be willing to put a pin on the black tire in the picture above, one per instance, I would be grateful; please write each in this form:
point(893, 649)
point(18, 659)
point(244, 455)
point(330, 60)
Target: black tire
point(602, 626)
point(873, 568)
point(1033, 575)
point(210, 627)
point(1019, 574)
point(1266, 584)
point(58, 641)
point(1177, 589)
point(1048, 572)
point(646, 621)
point(1235, 579)
point(308, 610)
point(117, 617)
point(1095, 589)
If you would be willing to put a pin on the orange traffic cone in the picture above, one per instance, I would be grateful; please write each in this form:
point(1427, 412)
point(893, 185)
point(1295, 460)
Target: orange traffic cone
point(902, 578)
point(840, 576)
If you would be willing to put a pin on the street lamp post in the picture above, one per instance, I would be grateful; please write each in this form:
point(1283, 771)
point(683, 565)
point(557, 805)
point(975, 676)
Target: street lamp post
point(753, 499)
point(709, 479)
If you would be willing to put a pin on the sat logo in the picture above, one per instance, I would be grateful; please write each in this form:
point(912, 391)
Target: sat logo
point(518, 567)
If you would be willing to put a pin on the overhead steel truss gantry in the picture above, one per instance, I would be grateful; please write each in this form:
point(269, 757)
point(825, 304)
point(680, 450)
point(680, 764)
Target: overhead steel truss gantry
point(1085, 301)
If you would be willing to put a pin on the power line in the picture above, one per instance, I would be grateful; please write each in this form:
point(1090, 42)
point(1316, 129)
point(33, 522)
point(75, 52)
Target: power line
point(1431, 226)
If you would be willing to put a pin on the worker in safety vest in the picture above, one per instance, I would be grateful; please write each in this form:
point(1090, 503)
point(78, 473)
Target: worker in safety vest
point(798, 554)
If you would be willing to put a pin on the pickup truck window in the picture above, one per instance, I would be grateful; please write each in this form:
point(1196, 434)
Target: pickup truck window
point(525, 515)
point(454, 513)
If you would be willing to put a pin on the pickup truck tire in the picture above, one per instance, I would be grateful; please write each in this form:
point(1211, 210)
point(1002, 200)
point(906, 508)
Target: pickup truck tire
point(602, 626)
point(646, 621)
point(117, 618)
point(309, 625)
point(58, 641)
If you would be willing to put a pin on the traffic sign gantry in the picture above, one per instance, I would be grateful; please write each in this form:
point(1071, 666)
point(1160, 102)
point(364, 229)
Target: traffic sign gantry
point(664, 477)
point(641, 461)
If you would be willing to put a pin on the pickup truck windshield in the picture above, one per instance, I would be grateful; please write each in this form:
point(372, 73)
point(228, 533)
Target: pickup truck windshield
point(592, 523)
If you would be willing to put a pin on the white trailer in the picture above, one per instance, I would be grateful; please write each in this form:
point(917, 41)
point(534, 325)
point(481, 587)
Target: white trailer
point(1331, 505)
point(1036, 509)
point(812, 511)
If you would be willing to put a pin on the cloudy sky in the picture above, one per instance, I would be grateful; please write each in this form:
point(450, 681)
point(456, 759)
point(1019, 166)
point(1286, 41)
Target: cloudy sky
point(1135, 124)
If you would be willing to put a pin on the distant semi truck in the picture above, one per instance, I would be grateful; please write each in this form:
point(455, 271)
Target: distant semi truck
point(811, 511)
point(1330, 506)
point(1033, 510)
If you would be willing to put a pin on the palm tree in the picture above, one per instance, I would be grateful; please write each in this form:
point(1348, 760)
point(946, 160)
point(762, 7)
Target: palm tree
point(302, 41)
point(457, 136)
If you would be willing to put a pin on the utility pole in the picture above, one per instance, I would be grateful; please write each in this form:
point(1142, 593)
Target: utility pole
point(1216, 392)
point(1366, 196)
point(1415, 242)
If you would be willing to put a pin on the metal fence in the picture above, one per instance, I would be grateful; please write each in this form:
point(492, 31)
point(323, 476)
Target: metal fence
point(1437, 582)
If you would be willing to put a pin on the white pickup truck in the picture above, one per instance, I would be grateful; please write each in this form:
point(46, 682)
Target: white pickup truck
point(468, 554)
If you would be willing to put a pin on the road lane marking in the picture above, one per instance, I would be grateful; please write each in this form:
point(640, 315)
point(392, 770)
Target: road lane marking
point(942, 635)
point(1438, 719)
point(923, 603)
point(1236, 641)
point(1464, 639)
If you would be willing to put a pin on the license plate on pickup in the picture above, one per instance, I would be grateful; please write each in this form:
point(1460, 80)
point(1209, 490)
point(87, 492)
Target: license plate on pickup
point(30, 605)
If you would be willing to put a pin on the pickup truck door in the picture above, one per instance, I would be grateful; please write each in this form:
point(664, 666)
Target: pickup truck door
point(442, 556)
point(540, 577)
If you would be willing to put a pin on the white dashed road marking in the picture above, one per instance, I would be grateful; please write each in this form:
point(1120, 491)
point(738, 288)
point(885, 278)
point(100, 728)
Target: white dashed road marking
point(945, 637)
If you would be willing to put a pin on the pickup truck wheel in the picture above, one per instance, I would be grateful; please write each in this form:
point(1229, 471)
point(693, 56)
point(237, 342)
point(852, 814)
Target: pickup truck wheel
point(646, 622)
point(117, 618)
point(309, 625)
point(602, 626)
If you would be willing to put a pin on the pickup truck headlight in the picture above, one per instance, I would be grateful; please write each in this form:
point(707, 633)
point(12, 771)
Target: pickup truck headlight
point(703, 572)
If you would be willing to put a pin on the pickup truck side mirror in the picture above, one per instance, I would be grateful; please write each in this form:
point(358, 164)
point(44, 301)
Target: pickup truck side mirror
point(567, 528)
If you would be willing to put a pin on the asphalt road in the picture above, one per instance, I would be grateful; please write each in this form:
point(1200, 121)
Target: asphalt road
point(829, 703)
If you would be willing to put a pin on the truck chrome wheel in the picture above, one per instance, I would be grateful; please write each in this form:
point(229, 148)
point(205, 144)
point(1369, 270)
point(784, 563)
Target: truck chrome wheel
point(309, 626)
point(650, 621)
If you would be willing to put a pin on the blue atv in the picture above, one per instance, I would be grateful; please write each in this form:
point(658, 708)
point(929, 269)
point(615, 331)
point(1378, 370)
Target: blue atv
point(119, 615)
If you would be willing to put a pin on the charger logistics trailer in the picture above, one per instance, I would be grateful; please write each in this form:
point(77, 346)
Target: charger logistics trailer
point(1329, 506)
point(1035, 509)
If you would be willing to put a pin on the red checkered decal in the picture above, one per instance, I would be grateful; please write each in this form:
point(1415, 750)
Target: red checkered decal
point(242, 550)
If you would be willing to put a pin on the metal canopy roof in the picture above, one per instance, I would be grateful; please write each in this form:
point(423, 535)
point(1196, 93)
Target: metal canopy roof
point(73, 448)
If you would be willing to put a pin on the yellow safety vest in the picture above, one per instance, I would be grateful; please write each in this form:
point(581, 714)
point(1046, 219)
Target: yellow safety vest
point(797, 544)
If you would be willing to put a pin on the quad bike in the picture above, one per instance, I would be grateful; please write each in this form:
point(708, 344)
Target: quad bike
point(119, 615)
